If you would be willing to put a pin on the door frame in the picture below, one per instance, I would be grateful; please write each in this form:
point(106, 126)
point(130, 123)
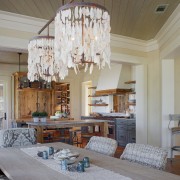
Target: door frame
point(6, 80)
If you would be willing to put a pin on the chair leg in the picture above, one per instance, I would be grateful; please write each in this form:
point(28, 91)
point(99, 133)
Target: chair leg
point(171, 146)
point(171, 155)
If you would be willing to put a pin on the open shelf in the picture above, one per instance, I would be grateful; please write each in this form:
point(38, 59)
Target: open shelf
point(97, 95)
point(131, 103)
point(98, 104)
point(132, 93)
point(130, 82)
point(93, 87)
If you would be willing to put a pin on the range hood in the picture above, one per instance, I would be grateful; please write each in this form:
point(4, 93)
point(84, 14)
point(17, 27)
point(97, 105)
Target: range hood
point(111, 81)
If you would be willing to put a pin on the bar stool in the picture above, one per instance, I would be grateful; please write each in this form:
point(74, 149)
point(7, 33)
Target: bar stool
point(64, 135)
point(48, 135)
point(76, 137)
point(174, 131)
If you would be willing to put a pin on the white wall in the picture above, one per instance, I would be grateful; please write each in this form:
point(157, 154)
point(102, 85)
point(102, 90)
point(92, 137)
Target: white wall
point(177, 94)
point(154, 98)
point(167, 99)
point(141, 104)
point(109, 78)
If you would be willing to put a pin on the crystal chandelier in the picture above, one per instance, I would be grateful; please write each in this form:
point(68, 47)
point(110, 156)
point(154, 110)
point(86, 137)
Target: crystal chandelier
point(82, 37)
point(41, 58)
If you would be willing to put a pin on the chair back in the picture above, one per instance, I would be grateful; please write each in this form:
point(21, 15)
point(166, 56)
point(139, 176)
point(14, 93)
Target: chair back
point(102, 145)
point(1, 120)
point(15, 137)
point(174, 117)
point(146, 155)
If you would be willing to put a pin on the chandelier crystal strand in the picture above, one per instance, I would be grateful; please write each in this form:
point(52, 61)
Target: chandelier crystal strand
point(82, 37)
point(41, 58)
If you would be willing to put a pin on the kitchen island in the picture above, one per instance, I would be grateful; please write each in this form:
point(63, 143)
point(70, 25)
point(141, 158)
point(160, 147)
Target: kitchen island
point(40, 126)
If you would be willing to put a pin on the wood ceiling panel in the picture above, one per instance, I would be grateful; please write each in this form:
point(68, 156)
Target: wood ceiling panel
point(132, 12)
point(108, 5)
point(23, 8)
point(55, 4)
point(148, 23)
point(121, 16)
point(7, 6)
point(44, 8)
point(114, 13)
point(138, 27)
point(33, 8)
point(132, 18)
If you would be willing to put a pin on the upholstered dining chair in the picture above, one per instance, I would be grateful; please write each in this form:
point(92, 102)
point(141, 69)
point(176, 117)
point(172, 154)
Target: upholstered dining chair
point(102, 145)
point(15, 137)
point(147, 155)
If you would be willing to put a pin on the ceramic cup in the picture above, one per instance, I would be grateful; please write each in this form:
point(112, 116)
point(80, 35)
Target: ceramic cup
point(86, 162)
point(64, 165)
point(45, 155)
point(80, 166)
point(51, 150)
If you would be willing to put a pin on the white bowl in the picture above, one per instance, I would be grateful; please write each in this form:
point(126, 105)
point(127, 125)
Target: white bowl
point(70, 157)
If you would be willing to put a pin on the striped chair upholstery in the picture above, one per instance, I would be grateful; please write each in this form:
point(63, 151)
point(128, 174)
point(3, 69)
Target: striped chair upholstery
point(146, 155)
point(15, 137)
point(102, 145)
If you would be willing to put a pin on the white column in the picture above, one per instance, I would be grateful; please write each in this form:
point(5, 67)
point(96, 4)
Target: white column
point(141, 104)
point(167, 99)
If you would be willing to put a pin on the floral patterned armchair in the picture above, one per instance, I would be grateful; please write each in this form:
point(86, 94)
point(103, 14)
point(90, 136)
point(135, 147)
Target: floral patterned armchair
point(15, 137)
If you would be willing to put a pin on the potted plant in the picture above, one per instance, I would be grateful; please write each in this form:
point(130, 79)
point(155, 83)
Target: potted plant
point(43, 115)
point(59, 114)
point(35, 116)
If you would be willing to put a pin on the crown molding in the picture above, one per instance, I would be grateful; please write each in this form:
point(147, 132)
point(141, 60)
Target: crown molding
point(169, 36)
point(15, 44)
point(23, 23)
point(124, 58)
point(133, 44)
point(171, 26)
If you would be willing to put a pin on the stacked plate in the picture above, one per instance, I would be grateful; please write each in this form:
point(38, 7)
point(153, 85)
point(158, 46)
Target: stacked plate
point(70, 156)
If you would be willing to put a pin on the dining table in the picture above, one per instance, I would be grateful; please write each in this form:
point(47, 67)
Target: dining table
point(41, 126)
point(19, 164)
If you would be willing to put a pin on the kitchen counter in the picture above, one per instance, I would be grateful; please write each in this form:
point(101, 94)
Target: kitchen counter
point(107, 117)
point(123, 130)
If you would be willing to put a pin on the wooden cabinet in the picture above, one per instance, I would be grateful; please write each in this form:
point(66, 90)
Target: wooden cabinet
point(30, 97)
point(125, 131)
point(39, 95)
point(61, 97)
point(120, 102)
point(30, 100)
